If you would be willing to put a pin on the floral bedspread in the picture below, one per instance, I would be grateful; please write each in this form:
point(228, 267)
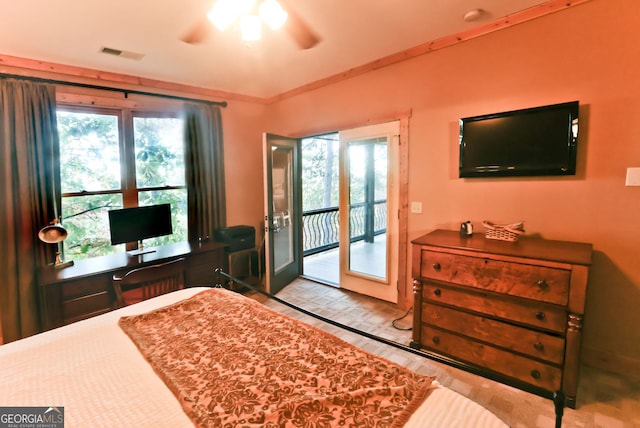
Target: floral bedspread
point(233, 362)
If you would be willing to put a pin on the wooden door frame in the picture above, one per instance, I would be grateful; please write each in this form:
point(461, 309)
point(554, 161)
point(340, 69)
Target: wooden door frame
point(405, 284)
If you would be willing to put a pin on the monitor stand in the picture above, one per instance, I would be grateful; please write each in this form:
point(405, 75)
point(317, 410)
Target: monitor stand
point(141, 250)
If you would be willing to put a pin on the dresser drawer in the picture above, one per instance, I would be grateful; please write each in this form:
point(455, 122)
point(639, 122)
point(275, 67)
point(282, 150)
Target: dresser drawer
point(503, 306)
point(541, 283)
point(514, 310)
point(519, 339)
point(524, 369)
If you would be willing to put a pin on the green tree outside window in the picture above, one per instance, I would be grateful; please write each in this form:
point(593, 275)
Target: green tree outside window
point(101, 169)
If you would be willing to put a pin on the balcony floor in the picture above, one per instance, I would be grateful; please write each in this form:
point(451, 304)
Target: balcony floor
point(365, 257)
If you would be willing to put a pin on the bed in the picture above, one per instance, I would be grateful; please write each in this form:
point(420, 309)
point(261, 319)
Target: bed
point(116, 370)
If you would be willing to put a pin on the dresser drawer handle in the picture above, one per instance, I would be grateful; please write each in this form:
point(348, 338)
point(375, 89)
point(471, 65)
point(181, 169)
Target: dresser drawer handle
point(437, 292)
point(538, 346)
point(436, 340)
point(535, 374)
point(540, 316)
point(543, 284)
point(437, 267)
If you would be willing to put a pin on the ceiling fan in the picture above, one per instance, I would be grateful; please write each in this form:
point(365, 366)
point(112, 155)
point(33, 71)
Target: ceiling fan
point(248, 16)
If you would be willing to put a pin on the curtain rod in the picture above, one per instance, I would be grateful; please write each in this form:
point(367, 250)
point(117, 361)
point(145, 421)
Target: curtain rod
point(126, 92)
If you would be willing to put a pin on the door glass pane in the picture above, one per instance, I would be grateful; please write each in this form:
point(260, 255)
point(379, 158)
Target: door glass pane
point(282, 164)
point(367, 162)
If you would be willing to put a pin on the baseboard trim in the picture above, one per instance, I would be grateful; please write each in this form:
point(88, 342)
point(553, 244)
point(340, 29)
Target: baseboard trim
point(611, 362)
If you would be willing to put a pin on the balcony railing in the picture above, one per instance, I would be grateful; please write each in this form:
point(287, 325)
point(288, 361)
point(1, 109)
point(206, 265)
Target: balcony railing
point(321, 227)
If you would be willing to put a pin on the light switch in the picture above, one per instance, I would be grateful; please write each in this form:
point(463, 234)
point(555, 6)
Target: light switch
point(633, 177)
point(416, 207)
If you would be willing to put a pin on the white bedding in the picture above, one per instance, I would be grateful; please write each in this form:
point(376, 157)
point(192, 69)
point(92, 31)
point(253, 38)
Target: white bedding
point(93, 370)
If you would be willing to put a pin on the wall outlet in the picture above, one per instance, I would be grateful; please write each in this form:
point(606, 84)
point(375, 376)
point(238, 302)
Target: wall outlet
point(633, 177)
point(416, 207)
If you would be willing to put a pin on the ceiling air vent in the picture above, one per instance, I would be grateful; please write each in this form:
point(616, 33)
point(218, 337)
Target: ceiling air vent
point(121, 53)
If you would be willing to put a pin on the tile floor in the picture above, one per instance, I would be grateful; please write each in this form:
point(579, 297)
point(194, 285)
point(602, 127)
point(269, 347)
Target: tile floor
point(604, 400)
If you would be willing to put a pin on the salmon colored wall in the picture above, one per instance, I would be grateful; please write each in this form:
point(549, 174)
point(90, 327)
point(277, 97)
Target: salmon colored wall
point(589, 53)
point(243, 125)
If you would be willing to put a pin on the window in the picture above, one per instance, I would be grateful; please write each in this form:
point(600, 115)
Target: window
point(118, 158)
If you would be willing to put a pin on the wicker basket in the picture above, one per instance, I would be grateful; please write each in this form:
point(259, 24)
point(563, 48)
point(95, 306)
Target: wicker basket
point(503, 232)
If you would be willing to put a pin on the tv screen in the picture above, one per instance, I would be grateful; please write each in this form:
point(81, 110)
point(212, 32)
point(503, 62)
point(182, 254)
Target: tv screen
point(136, 224)
point(529, 142)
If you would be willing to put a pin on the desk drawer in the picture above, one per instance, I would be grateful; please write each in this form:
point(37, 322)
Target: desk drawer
point(519, 339)
point(201, 276)
point(86, 306)
point(517, 279)
point(514, 310)
point(201, 268)
point(85, 287)
point(527, 370)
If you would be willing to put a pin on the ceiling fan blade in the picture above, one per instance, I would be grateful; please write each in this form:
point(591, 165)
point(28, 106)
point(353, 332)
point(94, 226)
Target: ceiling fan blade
point(198, 33)
point(298, 29)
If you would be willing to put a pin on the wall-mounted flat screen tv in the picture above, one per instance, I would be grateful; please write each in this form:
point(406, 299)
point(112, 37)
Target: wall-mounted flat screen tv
point(138, 223)
point(530, 142)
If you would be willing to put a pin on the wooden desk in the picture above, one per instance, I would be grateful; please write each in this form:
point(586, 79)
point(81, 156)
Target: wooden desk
point(84, 290)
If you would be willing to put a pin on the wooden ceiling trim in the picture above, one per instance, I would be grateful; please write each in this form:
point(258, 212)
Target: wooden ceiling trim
point(72, 74)
point(508, 21)
point(34, 68)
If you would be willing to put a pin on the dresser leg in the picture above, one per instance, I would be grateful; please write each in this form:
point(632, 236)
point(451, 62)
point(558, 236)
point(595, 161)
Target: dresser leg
point(558, 402)
point(417, 315)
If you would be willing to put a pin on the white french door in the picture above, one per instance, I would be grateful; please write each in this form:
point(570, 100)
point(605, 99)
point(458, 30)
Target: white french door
point(369, 194)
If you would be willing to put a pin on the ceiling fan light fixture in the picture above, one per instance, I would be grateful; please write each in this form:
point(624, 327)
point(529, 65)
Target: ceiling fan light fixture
point(222, 15)
point(272, 14)
point(225, 12)
point(250, 28)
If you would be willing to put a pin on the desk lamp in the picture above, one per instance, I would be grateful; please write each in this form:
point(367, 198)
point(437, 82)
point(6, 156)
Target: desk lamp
point(54, 233)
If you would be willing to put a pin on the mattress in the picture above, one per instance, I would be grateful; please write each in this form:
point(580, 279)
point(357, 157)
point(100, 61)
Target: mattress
point(93, 370)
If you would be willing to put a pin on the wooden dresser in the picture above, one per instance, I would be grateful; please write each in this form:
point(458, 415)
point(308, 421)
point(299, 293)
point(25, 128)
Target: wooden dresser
point(84, 290)
point(511, 311)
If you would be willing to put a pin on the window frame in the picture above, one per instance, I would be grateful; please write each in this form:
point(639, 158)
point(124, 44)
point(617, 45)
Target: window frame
point(129, 189)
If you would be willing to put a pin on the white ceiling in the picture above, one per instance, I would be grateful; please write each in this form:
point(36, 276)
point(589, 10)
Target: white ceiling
point(353, 32)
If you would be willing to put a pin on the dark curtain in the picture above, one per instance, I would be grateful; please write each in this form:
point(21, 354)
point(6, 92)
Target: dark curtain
point(204, 164)
point(29, 200)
